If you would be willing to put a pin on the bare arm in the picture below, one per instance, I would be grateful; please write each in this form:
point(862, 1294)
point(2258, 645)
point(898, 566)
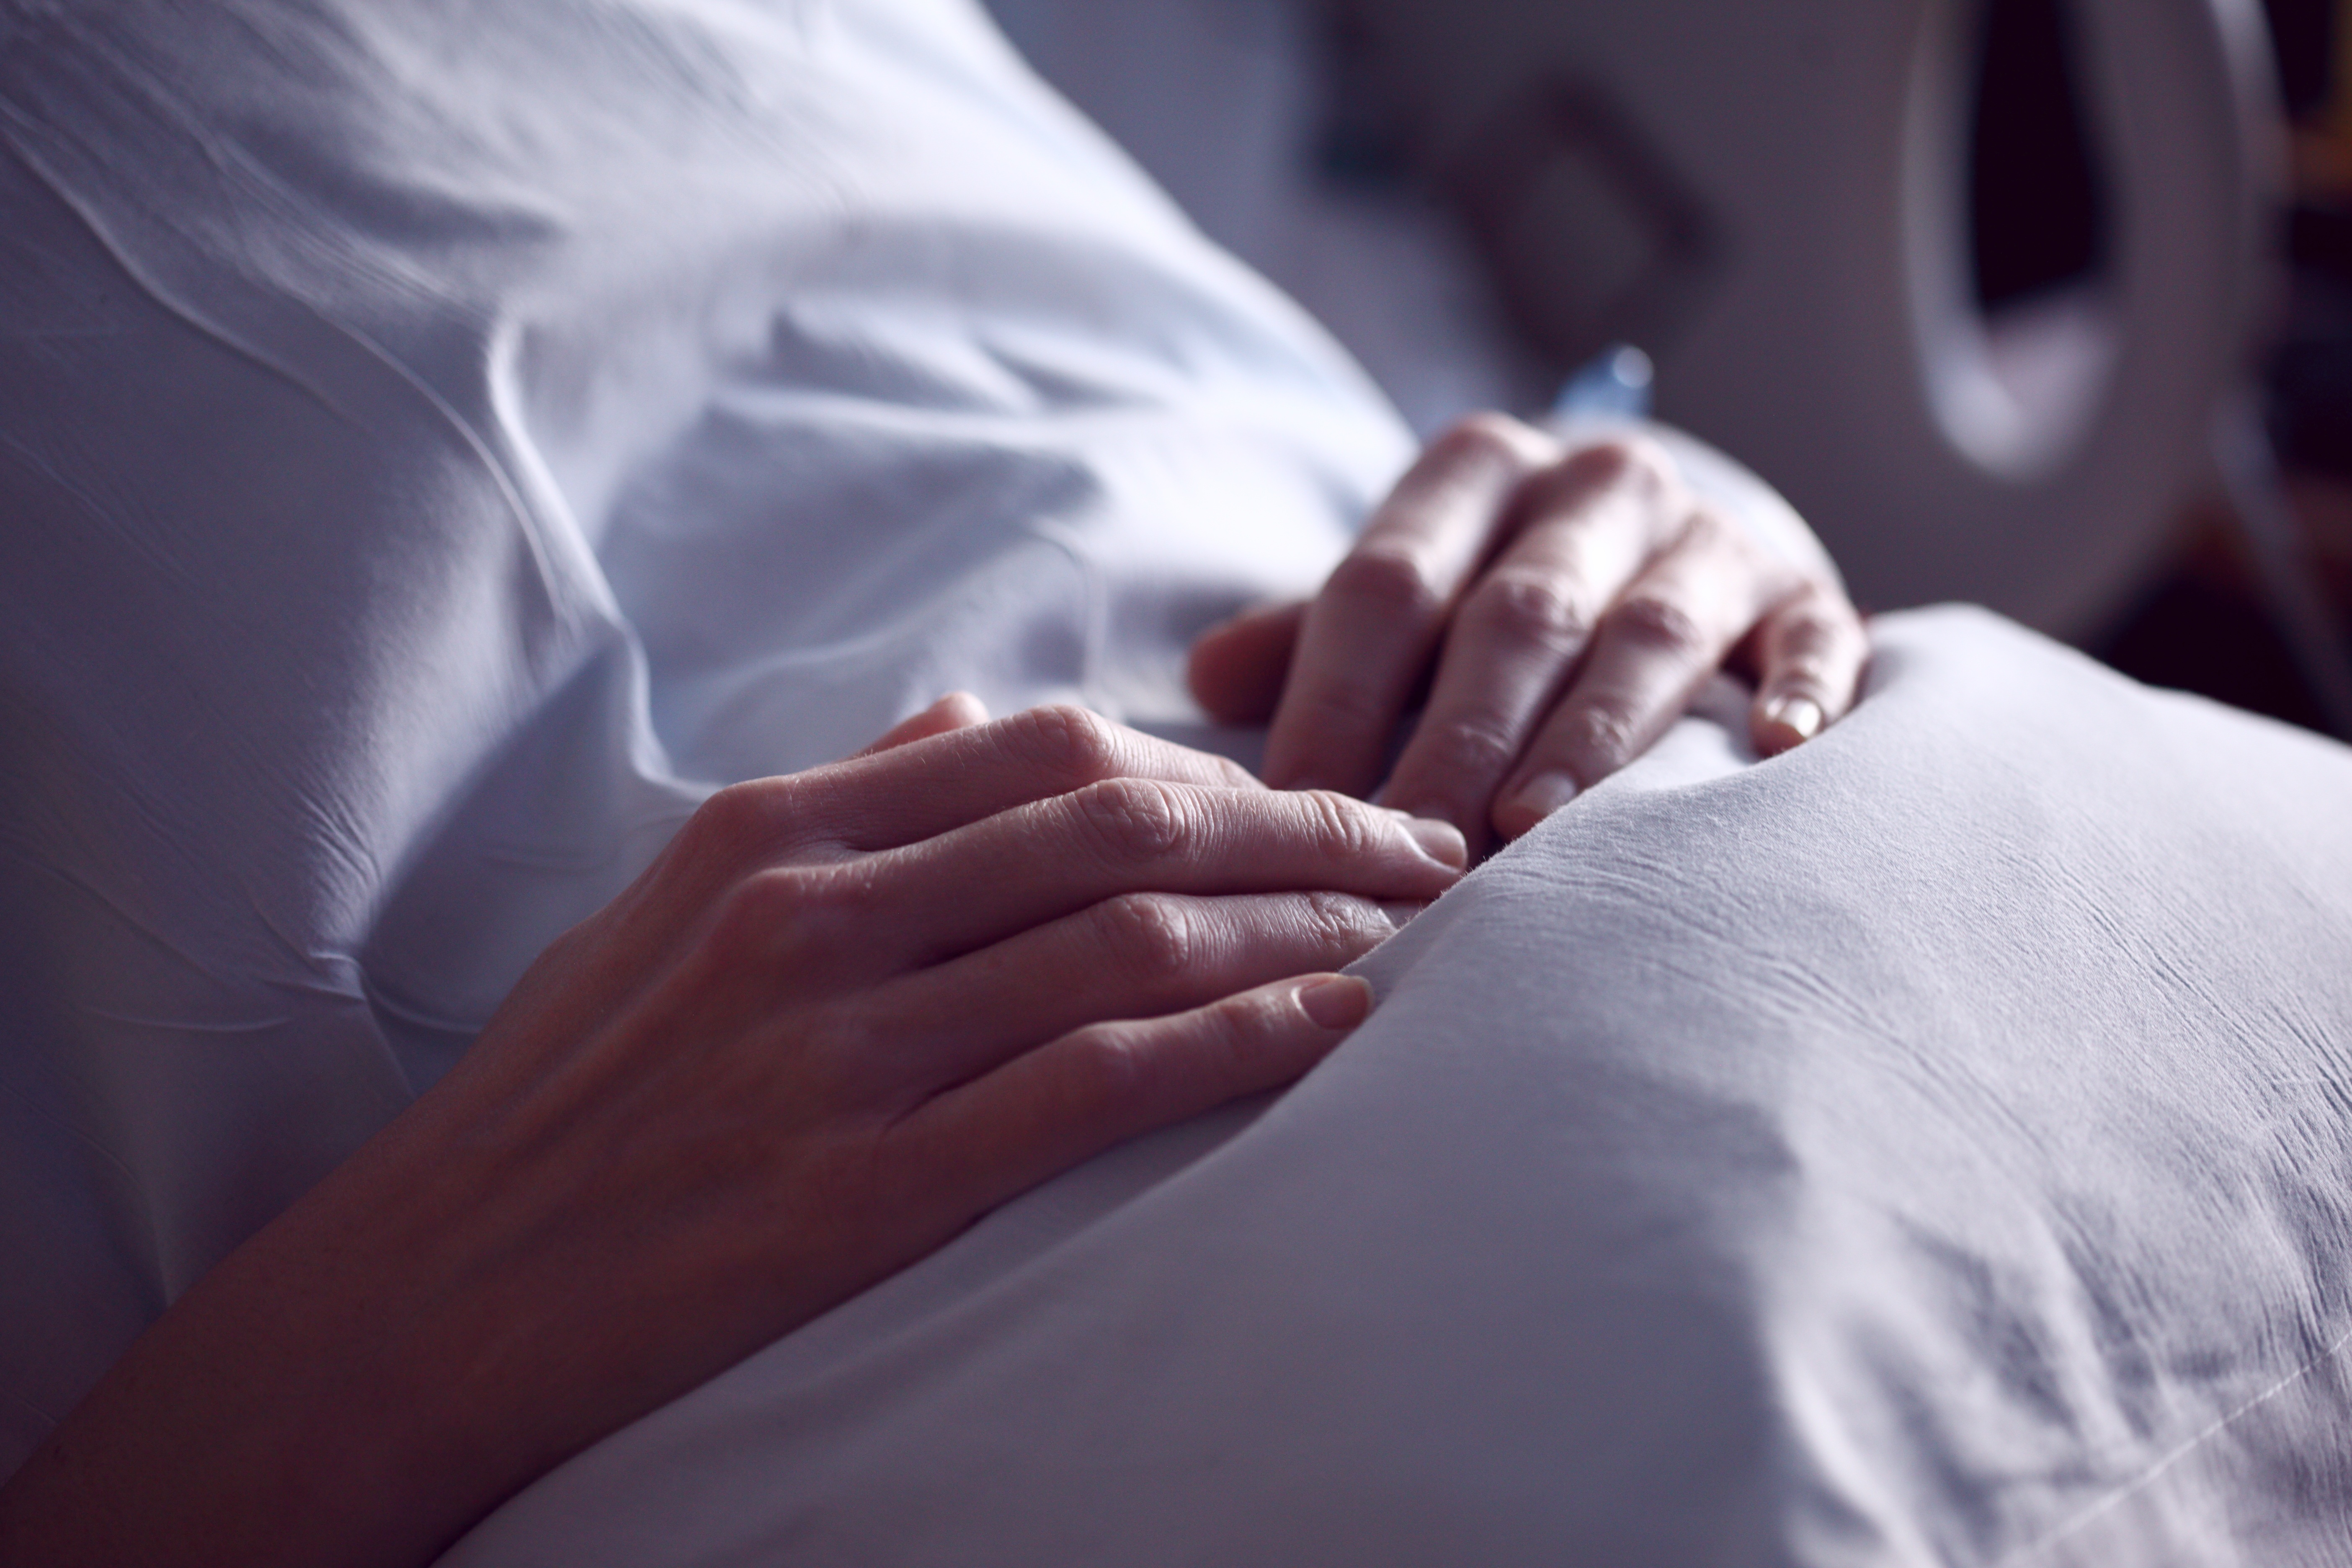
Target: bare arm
point(843, 1016)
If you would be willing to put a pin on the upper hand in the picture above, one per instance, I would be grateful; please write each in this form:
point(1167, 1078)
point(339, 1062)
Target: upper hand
point(1562, 604)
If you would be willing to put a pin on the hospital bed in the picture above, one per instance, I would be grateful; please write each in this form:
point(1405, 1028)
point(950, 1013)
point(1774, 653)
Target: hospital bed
point(1776, 204)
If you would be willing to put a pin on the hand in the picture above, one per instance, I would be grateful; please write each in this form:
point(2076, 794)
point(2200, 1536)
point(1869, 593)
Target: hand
point(1569, 603)
point(844, 1015)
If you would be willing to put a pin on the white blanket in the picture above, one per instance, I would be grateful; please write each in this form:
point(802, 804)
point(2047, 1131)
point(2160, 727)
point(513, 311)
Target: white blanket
point(440, 441)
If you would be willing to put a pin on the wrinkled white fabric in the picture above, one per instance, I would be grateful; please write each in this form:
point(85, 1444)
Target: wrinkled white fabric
point(440, 441)
point(1927, 1147)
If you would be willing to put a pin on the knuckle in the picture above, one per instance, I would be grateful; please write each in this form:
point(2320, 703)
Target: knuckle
point(1602, 735)
point(1817, 626)
point(1151, 936)
point(1794, 635)
point(1800, 677)
point(1228, 1035)
point(1631, 461)
point(1601, 463)
point(1344, 924)
point(1395, 583)
point(1708, 532)
point(1133, 820)
point(1486, 436)
point(1344, 708)
point(1109, 1066)
point(737, 820)
point(1519, 607)
point(1473, 746)
point(845, 892)
point(1659, 623)
point(757, 919)
point(1066, 742)
point(1233, 775)
point(789, 915)
point(1336, 827)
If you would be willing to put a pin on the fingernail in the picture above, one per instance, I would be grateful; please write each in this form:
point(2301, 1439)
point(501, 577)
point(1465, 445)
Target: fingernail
point(1337, 1001)
point(1545, 794)
point(1802, 714)
point(1440, 840)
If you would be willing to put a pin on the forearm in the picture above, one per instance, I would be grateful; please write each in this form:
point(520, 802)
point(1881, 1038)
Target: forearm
point(297, 1405)
point(843, 1016)
point(441, 1320)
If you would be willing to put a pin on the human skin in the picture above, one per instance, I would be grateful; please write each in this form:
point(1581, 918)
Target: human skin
point(848, 1012)
point(845, 1014)
point(1559, 604)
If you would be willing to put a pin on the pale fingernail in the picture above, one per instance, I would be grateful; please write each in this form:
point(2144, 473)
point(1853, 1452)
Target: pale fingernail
point(1802, 714)
point(1337, 1002)
point(1440, 840)
point(1545, 794)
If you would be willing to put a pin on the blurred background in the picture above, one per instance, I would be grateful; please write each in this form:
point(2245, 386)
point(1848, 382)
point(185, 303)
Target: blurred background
point(2041, 304)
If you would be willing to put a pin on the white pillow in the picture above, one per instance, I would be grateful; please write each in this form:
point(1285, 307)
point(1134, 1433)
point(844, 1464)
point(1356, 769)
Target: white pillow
point(1929, 1146)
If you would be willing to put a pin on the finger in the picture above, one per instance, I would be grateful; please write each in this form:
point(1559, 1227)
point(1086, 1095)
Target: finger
point(1593, 522)
point(1139, 955)
point(1652, 651)
point(956, 710)
point(926, 787)
point(1368, 636)
point(1811, 649)
point(1237, 669)
point(1052, 1108)
point(931, 901)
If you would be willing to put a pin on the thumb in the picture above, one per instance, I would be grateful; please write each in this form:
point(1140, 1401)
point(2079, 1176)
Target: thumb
point(1237, 668)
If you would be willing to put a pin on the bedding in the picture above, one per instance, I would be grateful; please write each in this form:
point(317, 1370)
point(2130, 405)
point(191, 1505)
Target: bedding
point(1929, 1146)
point(438, 442)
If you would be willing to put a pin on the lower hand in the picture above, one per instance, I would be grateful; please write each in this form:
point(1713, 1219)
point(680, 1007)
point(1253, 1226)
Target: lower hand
point(844, 1015)
point(1562, 606)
